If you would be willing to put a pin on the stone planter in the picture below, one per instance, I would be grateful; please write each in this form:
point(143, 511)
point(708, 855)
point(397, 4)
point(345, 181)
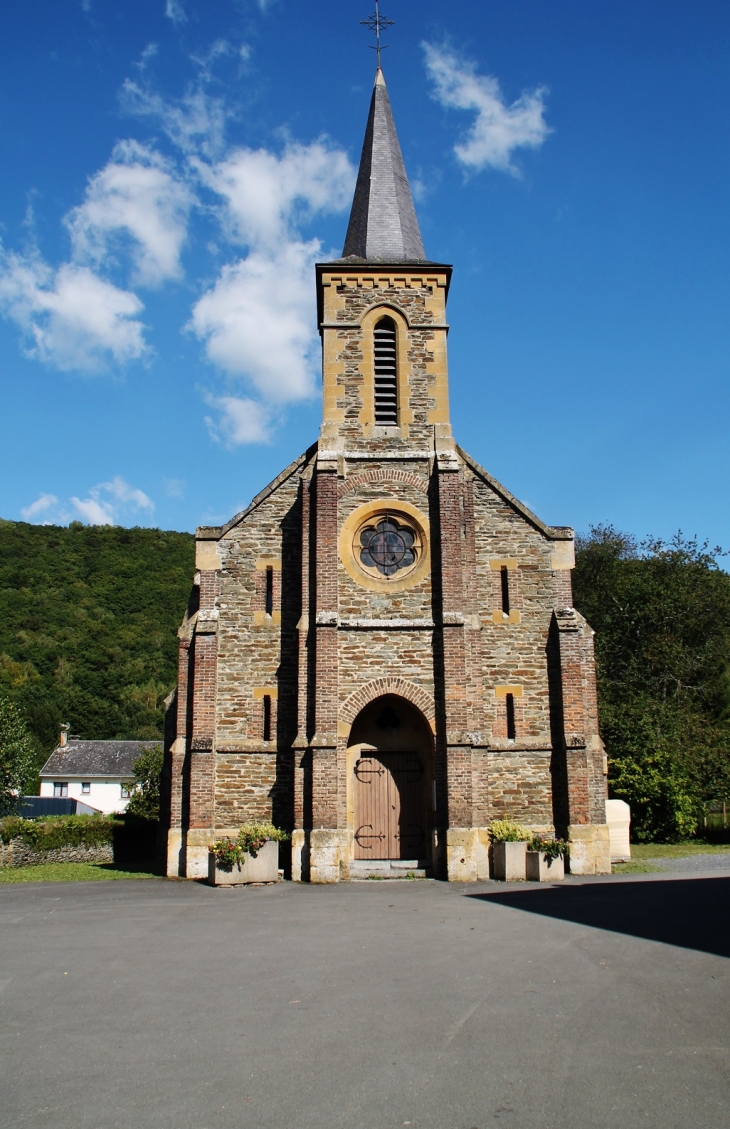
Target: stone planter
point(263, 868)
point(540, 869)
point(509, 861)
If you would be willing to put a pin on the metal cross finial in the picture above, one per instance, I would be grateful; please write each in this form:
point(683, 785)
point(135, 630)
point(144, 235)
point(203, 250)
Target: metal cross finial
point(377, 23)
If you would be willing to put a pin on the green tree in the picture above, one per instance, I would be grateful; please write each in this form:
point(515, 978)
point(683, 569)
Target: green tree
point(88, 627)
point(661, 613)
point(147, 771)
point(16, 756)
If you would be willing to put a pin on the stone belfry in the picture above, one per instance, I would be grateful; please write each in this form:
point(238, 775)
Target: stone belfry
point(380, 653)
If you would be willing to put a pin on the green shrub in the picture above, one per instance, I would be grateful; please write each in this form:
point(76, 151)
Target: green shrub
point(61, 831)
point(507, 831)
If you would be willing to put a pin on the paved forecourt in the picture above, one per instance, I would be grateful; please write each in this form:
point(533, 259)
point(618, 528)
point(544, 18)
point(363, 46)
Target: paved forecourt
point(379, 1004)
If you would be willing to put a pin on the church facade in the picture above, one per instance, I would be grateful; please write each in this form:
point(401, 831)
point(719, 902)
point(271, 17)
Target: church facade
point(380, 654)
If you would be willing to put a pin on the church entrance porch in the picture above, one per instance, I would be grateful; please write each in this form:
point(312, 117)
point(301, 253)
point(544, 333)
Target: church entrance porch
point(390, 788)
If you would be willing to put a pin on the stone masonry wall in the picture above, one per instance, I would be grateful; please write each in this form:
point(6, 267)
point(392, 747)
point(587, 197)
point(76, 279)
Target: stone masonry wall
point(17, 853)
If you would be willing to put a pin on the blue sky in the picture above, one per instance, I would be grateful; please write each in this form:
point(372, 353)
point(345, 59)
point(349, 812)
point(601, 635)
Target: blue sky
point(173, 168)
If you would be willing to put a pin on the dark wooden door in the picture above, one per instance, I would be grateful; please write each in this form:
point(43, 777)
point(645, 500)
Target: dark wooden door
point(390, 816)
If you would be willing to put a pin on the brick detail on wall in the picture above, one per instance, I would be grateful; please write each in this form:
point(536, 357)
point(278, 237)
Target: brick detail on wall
point(563, 588)
point(324, 788)
point(202, 786)
point(392, 476)
point(454, 686)
point(377, 687)
point(581, 776)
point(324, 554)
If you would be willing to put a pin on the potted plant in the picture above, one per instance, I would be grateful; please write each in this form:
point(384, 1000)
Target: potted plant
point(509, 848)
point(253, 856)
point(546, 859)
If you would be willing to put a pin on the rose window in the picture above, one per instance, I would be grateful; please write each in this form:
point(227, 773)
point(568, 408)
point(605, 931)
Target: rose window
point(387, 546)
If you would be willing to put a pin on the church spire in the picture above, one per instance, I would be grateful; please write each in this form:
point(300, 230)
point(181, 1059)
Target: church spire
point(383, 226)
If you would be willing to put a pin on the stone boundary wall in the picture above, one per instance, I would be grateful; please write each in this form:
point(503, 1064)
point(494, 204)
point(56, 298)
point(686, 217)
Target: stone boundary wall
point(17, 853)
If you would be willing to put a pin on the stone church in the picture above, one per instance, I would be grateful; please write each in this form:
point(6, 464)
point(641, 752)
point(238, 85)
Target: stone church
point(380, 654)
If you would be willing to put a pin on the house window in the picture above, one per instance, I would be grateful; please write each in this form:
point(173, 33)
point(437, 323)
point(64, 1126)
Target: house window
point(60, 788)
point(386, 383)
point(127, 790)
point(85, 787)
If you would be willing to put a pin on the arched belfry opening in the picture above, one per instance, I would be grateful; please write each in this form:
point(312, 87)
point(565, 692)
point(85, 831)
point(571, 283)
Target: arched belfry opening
point(390, 783)
point(385, 372)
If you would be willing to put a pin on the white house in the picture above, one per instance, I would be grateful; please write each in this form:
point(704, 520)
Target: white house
point(96, 772)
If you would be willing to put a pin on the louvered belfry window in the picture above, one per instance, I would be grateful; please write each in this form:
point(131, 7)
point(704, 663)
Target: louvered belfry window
point(386, 382)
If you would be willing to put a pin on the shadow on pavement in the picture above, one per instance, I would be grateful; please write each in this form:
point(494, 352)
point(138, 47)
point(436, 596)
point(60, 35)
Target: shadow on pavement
point(691, 913)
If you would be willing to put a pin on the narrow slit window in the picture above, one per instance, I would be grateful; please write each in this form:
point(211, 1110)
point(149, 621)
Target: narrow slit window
point(510, 702)
point(267, 717)
point(269, 591)
point(504, 573)
point(386, 373)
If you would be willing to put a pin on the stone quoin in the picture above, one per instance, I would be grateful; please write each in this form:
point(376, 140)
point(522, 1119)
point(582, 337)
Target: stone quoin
point(380, 654)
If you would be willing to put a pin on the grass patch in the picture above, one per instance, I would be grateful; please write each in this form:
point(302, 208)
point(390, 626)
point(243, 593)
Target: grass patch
point(72, 872)
point(641, 851)
point(635, 867)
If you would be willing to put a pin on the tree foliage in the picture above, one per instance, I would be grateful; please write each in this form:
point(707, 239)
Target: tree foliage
point(661, 613)
point(88, 621)
point(16, 756)
point(147, 769)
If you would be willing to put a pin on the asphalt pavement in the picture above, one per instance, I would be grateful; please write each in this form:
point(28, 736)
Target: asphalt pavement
point(376, 1005)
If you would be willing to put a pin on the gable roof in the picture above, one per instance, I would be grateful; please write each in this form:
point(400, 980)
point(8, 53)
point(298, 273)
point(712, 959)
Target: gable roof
point(95, 758)
point(552, 532)
point(383, 226)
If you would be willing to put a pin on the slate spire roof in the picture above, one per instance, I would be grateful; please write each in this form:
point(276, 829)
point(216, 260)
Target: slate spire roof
point(383, 225)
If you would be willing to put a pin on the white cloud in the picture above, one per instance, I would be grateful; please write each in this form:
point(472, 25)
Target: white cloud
point(258, 322)
point(42, 504)
point(94, 512)
point(74, 319)
point(122, 500)
point(267, 196)
point(241, 420)
point(138, 194)
point(498, 128)
point(125, 494)
point(175, 11)
point(195, 123)
point(108, 503)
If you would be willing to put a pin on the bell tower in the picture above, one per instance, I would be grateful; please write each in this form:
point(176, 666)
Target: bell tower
point(382, 314)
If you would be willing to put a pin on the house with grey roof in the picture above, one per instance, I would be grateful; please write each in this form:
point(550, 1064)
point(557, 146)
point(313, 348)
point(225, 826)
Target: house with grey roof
point(98, 773)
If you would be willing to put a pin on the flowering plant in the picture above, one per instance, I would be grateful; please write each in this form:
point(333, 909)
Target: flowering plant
point(507, 831)
point(251, 838)
point(549, 848)
point(227, 853)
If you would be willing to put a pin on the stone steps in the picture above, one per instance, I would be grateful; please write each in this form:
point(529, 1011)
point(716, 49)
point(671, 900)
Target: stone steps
point(364, 869)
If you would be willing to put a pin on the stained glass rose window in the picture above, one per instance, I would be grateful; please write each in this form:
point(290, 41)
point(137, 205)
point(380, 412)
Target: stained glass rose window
point(387, 546)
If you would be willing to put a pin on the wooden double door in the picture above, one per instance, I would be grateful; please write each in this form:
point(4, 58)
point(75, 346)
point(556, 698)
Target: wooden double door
point(390, 806)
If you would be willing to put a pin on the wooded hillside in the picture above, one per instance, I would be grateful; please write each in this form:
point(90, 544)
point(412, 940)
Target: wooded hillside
point(88, 622)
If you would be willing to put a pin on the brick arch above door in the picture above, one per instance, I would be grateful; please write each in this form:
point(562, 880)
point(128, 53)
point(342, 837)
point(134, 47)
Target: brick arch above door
point(378, 687)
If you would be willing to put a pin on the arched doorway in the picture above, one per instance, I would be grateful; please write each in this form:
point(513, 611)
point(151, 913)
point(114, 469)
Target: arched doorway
point(390, 781)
